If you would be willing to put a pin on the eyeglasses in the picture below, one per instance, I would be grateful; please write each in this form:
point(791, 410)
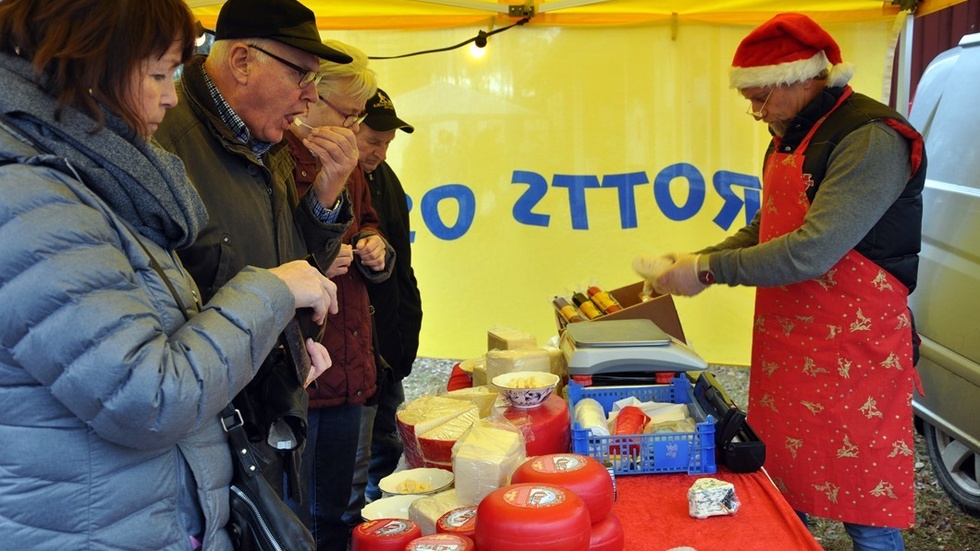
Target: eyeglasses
point(758, 114)
point(306, 76)
point(349, 120)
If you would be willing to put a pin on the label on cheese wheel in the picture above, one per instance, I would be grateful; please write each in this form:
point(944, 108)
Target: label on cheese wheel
point(558, 463)
point(534, 497)
point(387, 527)
point(461, 520)
point(441, 542)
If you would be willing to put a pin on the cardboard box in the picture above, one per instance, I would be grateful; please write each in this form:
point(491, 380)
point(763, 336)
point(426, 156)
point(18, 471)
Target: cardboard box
point(659, 309)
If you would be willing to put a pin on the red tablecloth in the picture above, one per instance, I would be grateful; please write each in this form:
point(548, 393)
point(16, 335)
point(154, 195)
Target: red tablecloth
point(653, 511)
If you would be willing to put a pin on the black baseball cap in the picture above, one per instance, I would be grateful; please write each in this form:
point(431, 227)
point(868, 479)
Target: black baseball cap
point(381, 114)
point(285, 21)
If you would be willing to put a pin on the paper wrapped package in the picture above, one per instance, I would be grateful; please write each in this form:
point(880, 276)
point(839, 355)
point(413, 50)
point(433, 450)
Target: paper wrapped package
point(710, 497)
point(484, 459)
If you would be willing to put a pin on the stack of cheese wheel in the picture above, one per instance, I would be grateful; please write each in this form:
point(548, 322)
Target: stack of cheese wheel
point(460, 521)
point(607, 534)
point(589, 480)
point(386, 534)
point(545, 428)
point(441, 542)
point(530, 517)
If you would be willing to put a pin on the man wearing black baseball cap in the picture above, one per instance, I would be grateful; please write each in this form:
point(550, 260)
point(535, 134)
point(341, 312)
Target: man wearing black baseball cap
point(285, 21)
point(397, 303)
point(234, 105)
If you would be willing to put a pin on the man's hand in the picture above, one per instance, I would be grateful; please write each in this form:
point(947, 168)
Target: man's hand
point(335, 148)
point(371, 250)
point(319, 359)
point(342, 262)
point(309, 287)
point(681, 278)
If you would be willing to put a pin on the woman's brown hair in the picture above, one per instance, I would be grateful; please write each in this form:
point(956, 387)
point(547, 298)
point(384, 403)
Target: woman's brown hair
point(77, 46)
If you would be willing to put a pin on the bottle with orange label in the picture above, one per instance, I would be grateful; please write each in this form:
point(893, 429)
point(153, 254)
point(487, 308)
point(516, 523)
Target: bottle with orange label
point(567, 312)
point(606, 302)
point(586, 306)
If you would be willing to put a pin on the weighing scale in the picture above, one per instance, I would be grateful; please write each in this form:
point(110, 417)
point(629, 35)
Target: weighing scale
point(624, 351)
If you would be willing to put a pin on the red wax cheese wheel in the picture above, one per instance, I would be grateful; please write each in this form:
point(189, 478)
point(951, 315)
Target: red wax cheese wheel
point(607, 534)
point(461, 520)
point(579, 473)
point(532, 517)
point(546, 428)
point(386, 534)
point(441, 416)
point(441, 542)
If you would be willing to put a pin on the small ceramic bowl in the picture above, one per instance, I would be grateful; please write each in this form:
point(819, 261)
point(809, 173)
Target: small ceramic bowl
point(389, 507)
point(526, 389)
point(422, 481)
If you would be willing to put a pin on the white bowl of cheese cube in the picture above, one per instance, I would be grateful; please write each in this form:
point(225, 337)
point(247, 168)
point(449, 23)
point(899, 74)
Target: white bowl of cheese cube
point(526, 389)
point(421, 481)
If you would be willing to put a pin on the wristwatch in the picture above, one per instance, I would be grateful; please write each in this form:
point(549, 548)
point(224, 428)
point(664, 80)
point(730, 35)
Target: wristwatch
point(706, 277)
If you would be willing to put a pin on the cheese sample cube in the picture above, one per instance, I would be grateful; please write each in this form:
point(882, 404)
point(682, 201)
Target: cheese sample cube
point(710, 497)
point(484, 459)
point(523, 359)
point(425, 511)
point(507, 338)
point(422, 415)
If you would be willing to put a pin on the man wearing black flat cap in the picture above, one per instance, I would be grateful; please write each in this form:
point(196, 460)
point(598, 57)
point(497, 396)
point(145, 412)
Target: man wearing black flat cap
point(396, 301)
point(234, 105)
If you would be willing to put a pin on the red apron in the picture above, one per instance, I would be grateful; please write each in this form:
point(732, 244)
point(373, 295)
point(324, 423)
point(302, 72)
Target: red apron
point(832, 374)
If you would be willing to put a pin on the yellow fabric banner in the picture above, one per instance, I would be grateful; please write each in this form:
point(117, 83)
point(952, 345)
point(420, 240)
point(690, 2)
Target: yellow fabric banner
point(551, 161)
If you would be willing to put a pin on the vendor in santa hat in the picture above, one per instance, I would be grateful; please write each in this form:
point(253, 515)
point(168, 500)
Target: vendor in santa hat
point(833, 252)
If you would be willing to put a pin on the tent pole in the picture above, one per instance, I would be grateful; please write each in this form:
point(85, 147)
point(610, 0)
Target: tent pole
point(902, 87)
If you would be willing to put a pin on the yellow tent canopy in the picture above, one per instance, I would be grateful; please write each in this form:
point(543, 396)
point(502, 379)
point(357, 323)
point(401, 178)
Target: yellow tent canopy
point(420, 14)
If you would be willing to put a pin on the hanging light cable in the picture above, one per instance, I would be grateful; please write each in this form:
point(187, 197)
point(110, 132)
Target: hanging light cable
point(480, 40)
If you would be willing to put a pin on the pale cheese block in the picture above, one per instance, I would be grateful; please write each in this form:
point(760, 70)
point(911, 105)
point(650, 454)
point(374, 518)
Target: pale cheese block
point(436, 444)
point(524, 359)
point(508, 338)
point(559, 365)
point(480, 373)
point(422, 415)
point(484, 459)
point(483, 397)
point(425, 511)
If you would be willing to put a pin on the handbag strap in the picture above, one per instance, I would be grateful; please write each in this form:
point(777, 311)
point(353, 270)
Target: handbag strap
point(231, 422)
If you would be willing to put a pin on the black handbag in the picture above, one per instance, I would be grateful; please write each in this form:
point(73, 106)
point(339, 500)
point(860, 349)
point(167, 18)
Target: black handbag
point(259, 519)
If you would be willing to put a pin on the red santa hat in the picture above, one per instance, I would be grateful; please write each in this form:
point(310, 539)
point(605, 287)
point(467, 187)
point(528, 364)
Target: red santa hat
point(788, 48)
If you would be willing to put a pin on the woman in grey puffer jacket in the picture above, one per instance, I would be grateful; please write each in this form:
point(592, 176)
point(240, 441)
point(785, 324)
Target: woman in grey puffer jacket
point(110, 381)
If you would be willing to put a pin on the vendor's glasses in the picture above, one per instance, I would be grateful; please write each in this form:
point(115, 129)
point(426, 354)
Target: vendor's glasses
point(306, 76)
point(349, 120)
point(758, 114)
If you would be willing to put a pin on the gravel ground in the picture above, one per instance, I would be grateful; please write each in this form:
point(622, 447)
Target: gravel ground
point(940, 526)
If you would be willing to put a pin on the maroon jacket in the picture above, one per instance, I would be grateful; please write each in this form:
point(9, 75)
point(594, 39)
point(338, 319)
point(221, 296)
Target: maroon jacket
point(347, 335)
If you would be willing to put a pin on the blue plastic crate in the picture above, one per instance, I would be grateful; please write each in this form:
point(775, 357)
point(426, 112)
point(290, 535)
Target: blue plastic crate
point(663, 452)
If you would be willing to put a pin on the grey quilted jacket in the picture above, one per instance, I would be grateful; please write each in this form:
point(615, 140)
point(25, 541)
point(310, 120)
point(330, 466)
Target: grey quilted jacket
point(109, 434)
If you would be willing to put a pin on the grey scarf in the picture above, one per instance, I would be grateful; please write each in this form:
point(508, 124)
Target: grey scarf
point(143, 184)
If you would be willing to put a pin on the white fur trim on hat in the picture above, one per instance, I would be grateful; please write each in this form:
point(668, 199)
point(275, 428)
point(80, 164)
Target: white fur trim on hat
point(790, 72)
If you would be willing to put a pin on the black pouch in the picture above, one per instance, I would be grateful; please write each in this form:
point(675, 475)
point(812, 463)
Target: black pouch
point(385, 374)
point(259, 519)
point(736, 444)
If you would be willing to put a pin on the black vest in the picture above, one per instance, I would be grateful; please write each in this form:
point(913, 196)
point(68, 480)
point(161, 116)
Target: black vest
point(894, 241)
